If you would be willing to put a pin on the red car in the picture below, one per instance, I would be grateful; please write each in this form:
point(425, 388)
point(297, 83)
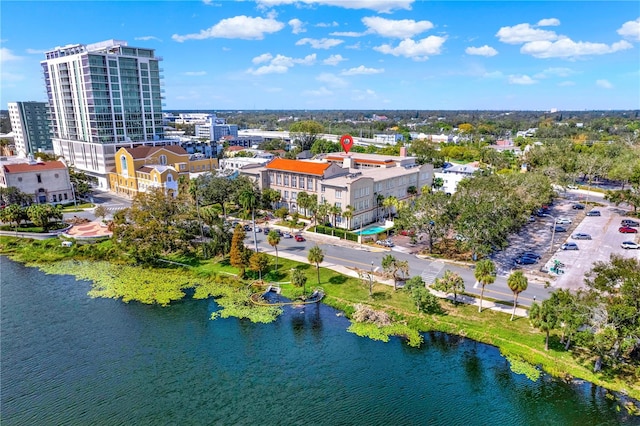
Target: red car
point(627, 230)
point(299, 238)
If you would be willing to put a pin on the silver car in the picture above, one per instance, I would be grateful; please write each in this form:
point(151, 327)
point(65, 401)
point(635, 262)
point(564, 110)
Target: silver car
point(581, 236)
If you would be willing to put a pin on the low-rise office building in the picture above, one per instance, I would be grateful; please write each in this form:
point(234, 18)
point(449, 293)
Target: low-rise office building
point(45, 181)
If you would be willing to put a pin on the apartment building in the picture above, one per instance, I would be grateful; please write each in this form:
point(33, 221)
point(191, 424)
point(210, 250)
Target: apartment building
point(30, 125)
point(344, 184)
point(102, 96)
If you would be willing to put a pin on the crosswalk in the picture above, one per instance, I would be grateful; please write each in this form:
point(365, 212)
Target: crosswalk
point(431, 272)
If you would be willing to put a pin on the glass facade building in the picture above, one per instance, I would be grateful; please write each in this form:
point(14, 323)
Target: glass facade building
point(30, 125)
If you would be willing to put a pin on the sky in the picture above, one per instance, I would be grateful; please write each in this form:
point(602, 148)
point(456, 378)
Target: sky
point(348, 54)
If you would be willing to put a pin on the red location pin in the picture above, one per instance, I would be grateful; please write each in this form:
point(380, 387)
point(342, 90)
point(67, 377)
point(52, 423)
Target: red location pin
point(347, 142)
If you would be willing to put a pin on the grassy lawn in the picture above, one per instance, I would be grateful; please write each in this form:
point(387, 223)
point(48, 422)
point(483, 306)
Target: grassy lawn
point(515, 339)
point(78, 208)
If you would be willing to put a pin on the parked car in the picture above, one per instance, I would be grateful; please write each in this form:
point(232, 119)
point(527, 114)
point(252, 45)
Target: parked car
point(559, 228)
point(525, 260)
point(300, 238)
point(578, 206)
point(266, 229)
point(593, 213)
point(532, 218)
point(258, 229)
point(629, 245)
point(386, 243)
point(563, 221)
point(629, 222)
point(569, 246)
point(246, 228)
point(581, 236)
point(572, 186)
point(627, 230)
point(287, 235)
point(529, 254)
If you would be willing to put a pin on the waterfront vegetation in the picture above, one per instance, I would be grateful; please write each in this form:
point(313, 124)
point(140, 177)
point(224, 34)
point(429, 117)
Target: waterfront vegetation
point(112, 275)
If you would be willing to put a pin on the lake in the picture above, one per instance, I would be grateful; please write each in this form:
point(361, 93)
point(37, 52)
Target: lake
point(70, 359)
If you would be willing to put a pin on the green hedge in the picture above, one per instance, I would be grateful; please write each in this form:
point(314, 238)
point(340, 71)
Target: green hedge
point(337, 232)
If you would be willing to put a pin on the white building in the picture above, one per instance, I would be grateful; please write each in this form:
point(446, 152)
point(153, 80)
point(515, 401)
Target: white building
point(30, 125)
point(102, 96)
point(45, 181)
point(214, 129)
point(451, 176)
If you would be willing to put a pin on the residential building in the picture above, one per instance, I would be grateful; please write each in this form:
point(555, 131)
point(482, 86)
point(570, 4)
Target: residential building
point(451, 176)
point(45, 181)
point(214, 129)
point(141, 168)
point(359, 181)
point(30, 125)
point(391, 139)
point(102, 96)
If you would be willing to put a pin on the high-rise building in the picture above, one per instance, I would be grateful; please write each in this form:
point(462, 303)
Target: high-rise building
point(102, 96)
point(30, 125)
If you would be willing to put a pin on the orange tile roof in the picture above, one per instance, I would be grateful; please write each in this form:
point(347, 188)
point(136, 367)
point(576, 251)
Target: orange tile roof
point(26, 167)
point(306, 167)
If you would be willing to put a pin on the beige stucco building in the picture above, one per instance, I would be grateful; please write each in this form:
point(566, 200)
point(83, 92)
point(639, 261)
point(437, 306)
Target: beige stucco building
point(45, 181)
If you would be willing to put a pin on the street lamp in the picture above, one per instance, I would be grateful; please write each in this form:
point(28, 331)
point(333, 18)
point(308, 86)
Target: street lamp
point(553, 230)
point(371, 280)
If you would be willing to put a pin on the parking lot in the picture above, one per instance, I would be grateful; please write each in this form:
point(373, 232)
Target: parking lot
point(536, 237)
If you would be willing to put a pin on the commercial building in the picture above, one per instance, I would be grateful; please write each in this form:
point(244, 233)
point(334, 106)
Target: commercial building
point(216, 128)
point(141, 168)
point(45, 181)
point(30, 125)
point(102, 96)
point(358, 183)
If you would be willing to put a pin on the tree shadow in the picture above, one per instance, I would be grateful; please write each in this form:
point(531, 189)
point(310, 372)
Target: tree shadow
point(380, 295)
point(339, 279)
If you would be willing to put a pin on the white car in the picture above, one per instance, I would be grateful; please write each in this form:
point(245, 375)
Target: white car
point(563, 221)
point(572, 186)
point(287, 235)
point(629, 245)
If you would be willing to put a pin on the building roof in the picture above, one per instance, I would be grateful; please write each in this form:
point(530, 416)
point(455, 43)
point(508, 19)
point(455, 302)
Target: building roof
point(34, 167)
point(145, 151)
point(299, 166)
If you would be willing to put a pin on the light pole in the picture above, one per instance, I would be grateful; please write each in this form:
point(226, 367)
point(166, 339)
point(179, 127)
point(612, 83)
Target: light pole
point(553, 230)
point(371, 281)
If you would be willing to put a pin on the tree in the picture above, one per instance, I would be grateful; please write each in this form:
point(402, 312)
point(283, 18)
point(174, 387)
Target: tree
point(299, 279)
point(270, 198)
point(379, 201)
point(348, 215)
point(316, 256)
point(323, 211)
point(13, 213)
point(393, 268)
point(259, 262)
point(42, 214)
point(305, 133)
point(334, 211)
point(303, 201)
point(450, 283)
point(12, 195)
point(424, 300)
point(249, 199)
point(237, 255)
point(543, 317)
point(81, 182)
point(212, 190)
point(101, 211)
point(518, 283)
point(629, 196)
point(273, 238)
point(281, 213)
point(485, 274)
point(389, 203)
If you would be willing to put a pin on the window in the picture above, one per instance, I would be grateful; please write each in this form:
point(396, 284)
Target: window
point(294, 195)
point(65, 195)
point(286, 195)
point(294, 182)
point(310, 184)
point(301, 183)
point(56, 176)
point(286, 180)
point(271, 178)
point(338, 194)
point(279, 179)
point(339, 205)
point(39, 177)
point(169, 178)
point(163, 160)
point(123, 163)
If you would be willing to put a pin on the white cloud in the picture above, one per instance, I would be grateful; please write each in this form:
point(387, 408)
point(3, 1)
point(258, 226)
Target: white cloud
point(521, 79)
point(147, 38)
point(322, 91)
point(555, 72)
point(36, 51)
point(481, 51)
point(404, 28)
point(605, 84)
point(630, 30)
point(6, 55)
point(332, 80)
point(567, 48)
point(355, 46)
point(324, 43)
point(9, 76)
point(333, 60)
point(550, 22)
point(347, 34)
point(327, 24)
point(362, 70)
point(566, 83)
point(523, 33)
point(242, 27)
point(363, 95)
point(265, 57)
point(297, 26)
point(420, 50)
point(195, 73)
point(279, 64)
point(382, 6)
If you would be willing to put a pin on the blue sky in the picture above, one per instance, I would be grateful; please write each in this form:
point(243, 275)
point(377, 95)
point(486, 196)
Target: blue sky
point(349, 54)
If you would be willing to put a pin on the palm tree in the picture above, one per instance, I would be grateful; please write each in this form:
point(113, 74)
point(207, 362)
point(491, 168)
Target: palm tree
point(379, 201)
point(389, 203)
point(248, 199)
point(348, 215)
point(518, 283)
point(316, 256)
point(303, 201)
point(334, 211)
point(450, 282)
point(273, 238)
point(323, 211)
point(484, 273)
point(299, 279)
point(391, 266)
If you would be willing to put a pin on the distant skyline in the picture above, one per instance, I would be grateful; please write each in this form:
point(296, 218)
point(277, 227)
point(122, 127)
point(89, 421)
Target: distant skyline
point(348, 54)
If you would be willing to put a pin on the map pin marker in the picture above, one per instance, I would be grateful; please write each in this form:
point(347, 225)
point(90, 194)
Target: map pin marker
point(347, 142)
